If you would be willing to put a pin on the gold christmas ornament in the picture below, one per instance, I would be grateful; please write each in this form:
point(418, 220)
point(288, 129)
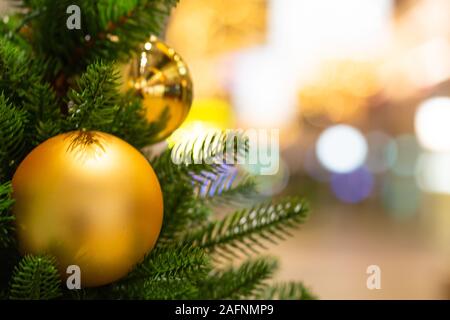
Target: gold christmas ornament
point(161, 77)
point(91, 200)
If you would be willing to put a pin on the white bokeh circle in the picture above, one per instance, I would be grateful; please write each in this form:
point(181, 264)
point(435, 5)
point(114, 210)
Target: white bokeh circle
point(341, 148)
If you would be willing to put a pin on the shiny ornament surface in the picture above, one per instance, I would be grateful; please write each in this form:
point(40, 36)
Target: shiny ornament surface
point(90, 199)
point(161, 77)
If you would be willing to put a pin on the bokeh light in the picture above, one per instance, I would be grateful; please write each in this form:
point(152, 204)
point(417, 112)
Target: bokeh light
point(408, 151)
point(354, 186)
point(341, 148)
point(338, 92)
point(400, 196)
point(269, 185)
point(432, 124)
point(433, 172)
point(205, 116)
point(216, 112)
point(263, 89)
point(382, 152)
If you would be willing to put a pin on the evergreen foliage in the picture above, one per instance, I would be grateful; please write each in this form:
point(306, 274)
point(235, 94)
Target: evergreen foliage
point(286, 291)
point(36, 277)
point(54, 80)
point(247, 229)
point(6, 218)
point(243, 282)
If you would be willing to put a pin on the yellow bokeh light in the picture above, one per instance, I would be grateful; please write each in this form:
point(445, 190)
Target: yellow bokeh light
point(206, 115)
point(339, 90)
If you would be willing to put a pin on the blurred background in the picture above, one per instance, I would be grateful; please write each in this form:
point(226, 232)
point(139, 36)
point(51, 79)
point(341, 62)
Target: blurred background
point(360, 91)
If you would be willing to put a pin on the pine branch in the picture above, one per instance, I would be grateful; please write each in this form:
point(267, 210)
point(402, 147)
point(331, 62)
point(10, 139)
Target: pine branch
point(247, 230)
point(22, 83)
point(97, 104)
point(169, 170)
point(110, 30)
point(185, 211)
point(146, 289)
point(227, 188)
point(12, 137)
point(131, 125)
point(6, 200)
point(123, 28)
point(205, 157)
point(51, 24)
point(182, 262)
point(43, 109)
point(238, 283)
point(11, 28)
point(36, 277)
point(213, 149)
point(17, 72)
point(167, 289)
point(6, 218)
point(94, 104)
point(21, 78)
point(187, 179)
point(165, 273)
point(181, 212)
point(286, 291)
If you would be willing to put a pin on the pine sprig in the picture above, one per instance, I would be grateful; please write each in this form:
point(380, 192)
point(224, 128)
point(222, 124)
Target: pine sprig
point(176, 262)
point(238, 283)
point(144, 289)
point(21, 74)
point(286, 291)
point(185, 211)
point(168, 169)
point(166, 289)
point(181, 213)
point(10, 27)
point(12, 137)
point(124, 27)
point(228, 188)
point(36, 277)
point(110, 30)
point(6, 200)
point(165, 273)
point(23, 85)
point(130, 122)
point(6, 218)
point(247, 230)
point(95, 103)
point(16, 73)
point(42, 107)
point(205, 156)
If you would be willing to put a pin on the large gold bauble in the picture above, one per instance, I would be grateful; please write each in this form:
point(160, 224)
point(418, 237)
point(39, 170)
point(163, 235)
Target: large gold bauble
point(91, 200)
point(161, 77)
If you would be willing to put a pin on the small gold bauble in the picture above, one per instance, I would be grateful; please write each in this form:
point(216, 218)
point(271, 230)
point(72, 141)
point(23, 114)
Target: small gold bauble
point(161, 77)
point(91, 200)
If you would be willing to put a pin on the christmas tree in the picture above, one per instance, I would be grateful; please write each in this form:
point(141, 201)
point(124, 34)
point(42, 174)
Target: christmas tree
point(55, 79)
